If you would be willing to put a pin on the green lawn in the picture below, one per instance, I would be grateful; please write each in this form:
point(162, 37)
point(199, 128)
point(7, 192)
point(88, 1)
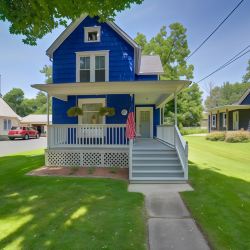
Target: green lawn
point(66, 213)
point(220, 175)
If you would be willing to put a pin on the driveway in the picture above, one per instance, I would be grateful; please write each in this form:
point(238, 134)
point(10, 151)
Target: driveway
point(17, 146)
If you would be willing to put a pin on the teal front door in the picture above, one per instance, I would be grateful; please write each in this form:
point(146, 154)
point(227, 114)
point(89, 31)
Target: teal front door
point(145, 124)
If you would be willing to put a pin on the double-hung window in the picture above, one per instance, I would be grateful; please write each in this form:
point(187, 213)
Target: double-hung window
point(92, 66)
point(6, 124)
point(224, 119)
point(213, 121)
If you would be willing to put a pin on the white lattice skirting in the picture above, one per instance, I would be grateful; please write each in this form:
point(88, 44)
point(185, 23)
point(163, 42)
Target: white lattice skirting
point(87, 158)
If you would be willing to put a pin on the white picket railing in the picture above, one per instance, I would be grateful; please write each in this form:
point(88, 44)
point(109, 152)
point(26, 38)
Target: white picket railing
point(172, 136)
point(87, 135)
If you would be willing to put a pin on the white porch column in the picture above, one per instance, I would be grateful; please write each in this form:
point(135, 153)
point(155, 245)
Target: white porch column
point(48, 107)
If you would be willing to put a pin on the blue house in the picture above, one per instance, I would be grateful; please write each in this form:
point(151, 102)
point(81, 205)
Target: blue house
point(97, 66)
point(231, 117)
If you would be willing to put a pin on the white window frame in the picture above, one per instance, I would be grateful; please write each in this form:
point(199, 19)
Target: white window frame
point(224, 119)
point(89, 101)
point(213, 120)
point(8, 123)
point(92, 29)
point(92, 55)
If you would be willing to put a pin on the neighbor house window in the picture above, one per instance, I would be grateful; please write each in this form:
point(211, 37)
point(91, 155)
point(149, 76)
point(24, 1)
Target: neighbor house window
point(91, 109)
point(224, 119)
point(92, 34)
point(213, 121)
point(92, 66)
point(6, 124)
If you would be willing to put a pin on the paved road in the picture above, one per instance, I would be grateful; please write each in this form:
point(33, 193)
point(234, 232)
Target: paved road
point(17, 146)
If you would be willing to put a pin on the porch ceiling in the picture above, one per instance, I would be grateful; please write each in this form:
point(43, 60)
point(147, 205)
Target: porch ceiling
point(147, 91)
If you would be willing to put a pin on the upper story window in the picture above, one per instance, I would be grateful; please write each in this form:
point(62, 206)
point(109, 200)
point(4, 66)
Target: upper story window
point(92, 66)
point(92, 34)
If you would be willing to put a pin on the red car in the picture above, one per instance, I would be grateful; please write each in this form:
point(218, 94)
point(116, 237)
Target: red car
point(23, 132)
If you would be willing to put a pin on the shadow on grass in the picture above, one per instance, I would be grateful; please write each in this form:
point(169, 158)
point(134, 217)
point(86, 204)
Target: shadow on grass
point(66, 213)
point(221, 205)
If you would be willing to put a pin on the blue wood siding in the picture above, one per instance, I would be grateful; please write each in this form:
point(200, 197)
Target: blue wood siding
point(146, 77)
point(121, 54)
point(119, 102)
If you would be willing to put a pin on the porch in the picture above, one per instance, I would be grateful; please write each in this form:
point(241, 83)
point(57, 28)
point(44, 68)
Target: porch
point(159, 159)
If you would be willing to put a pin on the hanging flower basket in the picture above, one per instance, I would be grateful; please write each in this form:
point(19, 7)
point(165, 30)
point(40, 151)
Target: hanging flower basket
point(107, 111)
point(74, 111)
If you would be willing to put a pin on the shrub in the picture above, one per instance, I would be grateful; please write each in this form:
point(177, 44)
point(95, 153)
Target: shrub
point(237, 136)
point(194, 130)
point(216, 136)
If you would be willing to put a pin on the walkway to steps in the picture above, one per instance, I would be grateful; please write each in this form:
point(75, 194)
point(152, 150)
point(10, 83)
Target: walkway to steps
point(153, 161)
point(170, 225)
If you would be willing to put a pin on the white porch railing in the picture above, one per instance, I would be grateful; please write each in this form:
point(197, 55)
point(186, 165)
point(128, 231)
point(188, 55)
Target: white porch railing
point(87, 135)
point(172, 136)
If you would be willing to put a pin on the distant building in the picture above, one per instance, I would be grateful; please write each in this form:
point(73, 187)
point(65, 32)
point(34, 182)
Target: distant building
point(231, 117)
point(37, 121)
point(8, 119)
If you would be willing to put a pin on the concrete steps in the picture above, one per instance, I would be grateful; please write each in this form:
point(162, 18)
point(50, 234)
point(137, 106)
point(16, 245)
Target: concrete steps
point(158, 164)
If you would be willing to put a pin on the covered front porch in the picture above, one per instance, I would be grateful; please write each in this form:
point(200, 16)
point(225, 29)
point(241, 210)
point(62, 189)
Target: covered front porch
point(105, 144)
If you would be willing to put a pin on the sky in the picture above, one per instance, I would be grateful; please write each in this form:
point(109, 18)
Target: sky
point(20, 64)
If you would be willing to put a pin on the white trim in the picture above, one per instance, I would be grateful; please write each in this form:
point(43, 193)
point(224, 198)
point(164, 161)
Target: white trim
point(92, 55)
point(92, 29)
point(82, 101)
point(224, 120)
point(243, 97)
point(213, 121)
point(138, 109)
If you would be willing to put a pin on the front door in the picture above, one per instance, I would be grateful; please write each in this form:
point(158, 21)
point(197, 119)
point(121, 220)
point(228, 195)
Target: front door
point(144, 122)
point(236, 120)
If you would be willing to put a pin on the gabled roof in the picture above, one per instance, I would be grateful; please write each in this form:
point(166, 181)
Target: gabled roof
point(6, 110)
point(36, 119)
point(243, 96)
point(75, 24)
point(143, 64)
point(150, 65)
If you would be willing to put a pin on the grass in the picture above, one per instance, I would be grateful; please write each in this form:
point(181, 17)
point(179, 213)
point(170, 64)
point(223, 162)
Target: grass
point(66, 213)
point(220, 175)
point(193, 130)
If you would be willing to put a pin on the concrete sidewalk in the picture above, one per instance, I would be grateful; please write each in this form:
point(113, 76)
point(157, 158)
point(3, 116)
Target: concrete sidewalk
point(170, 225)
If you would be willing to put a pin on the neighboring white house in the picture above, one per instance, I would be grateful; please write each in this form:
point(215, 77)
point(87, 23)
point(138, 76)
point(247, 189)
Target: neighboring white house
point(8, 119)
point(37, 121)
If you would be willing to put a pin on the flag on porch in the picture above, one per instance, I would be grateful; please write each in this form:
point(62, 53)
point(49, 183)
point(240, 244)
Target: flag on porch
point(130, 125)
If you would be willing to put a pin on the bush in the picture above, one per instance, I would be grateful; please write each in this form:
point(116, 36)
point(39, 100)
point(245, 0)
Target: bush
point(237, 136)
point(216, 136)
point(194, 130)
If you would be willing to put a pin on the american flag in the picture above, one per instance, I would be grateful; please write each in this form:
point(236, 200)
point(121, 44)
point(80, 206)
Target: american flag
point(130, 125)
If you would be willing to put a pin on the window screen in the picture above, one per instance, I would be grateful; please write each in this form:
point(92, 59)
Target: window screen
point(100, 68)
point(85, 69)
point(91, 113)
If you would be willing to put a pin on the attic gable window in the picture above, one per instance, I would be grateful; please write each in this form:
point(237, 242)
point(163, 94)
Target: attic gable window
point(92, 34)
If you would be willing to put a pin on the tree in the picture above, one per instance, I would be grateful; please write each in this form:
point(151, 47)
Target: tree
point(36, 18)
point(189, 107)
point(47, 71)
point(14, 98)
point(246, 77)
point(172, 49)
point(228, 93)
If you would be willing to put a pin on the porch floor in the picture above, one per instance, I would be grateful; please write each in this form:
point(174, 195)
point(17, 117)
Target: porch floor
point(149, 143)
